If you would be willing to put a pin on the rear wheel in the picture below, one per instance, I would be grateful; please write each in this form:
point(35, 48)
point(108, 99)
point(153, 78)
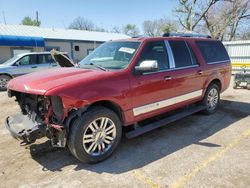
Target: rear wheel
point(95, 135)
point(4, 79)
point(211, 99)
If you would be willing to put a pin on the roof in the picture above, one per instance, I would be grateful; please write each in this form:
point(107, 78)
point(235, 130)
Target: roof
point(62, 34)
point(38, 53)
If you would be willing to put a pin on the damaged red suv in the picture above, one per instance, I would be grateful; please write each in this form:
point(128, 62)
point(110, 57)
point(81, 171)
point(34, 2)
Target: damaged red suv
point(120, 87)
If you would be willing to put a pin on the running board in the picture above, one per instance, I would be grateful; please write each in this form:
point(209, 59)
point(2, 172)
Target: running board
point(160, 123)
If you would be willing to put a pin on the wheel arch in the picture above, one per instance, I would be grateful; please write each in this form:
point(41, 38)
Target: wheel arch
point(6, 74)
point(213, 79)
point(217, 82)
point(105, 103)
point(110, 105)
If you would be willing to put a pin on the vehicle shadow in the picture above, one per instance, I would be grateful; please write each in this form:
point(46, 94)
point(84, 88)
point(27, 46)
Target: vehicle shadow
point(140, 151)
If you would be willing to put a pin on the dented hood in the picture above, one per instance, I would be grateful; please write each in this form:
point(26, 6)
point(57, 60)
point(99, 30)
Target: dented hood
point(44, 81)
point(61, 59)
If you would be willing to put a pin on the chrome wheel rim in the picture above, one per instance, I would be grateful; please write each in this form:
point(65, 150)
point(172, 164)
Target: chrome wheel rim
point(3, 82)
point(99, 136)
point(212, 99)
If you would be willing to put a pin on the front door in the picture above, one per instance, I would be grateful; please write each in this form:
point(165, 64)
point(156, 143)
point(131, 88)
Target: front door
point(27, 64)
point(152, 92)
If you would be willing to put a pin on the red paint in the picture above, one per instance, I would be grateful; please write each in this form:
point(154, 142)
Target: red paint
point(81, 87)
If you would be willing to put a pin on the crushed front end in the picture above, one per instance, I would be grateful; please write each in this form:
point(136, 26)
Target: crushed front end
point(40, 116)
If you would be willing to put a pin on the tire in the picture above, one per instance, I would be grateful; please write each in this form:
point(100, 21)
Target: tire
point(211, 99)
point(235, 85)
point(248, 86)
point(4, 79)
point(94, 126)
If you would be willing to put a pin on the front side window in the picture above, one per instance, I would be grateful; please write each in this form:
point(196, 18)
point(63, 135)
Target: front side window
point(28, 60)
point(111, 55)
point(155, 51)
point(213, 51)
point(182, 54)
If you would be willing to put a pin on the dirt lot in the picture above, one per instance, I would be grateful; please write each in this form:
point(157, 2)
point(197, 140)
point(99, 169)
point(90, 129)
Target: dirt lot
point(198, 151)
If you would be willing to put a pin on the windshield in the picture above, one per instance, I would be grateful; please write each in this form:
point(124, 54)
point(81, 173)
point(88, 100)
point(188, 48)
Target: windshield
point(111, 55)
point(11, 60)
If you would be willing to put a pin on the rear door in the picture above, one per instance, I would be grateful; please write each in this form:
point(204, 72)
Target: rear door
point(45, 61)
point(188, 72)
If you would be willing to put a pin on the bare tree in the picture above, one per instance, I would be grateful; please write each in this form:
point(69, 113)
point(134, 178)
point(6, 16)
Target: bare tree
point(116, 29)
point(158, 27)
point(81, 23)
point(240, 12)
point(191, 12)
point(223, 20)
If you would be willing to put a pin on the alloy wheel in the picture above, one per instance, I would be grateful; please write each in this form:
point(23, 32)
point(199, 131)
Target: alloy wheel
point(212, 99)
point(99, 136)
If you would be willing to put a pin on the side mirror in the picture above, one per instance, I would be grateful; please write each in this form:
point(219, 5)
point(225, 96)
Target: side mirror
point(17, 63)
point(147, 66)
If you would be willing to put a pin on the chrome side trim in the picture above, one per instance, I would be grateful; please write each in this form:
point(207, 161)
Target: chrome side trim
point(164, 103)
point(216, 62)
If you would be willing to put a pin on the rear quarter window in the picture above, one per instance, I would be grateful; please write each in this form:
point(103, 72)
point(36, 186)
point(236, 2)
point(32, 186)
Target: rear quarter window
point(213, 51)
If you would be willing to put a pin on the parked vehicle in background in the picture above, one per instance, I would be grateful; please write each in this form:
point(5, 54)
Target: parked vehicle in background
point(242, 79)
point(125, 85)
point(23, 64)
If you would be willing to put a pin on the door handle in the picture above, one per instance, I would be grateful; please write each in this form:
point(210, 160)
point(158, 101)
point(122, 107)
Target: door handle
point(34, 67)
point(54, 65)
point(167, 78)
point(200, 72)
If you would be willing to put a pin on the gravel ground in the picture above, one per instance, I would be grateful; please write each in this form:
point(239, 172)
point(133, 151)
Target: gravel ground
point(197, 151)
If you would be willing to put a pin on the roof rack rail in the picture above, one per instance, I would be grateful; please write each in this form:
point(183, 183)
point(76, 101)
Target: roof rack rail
point(186, 35)
point(138, 36)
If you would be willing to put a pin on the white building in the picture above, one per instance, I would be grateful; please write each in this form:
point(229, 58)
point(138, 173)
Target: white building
point(19, 38)
point(239, 52)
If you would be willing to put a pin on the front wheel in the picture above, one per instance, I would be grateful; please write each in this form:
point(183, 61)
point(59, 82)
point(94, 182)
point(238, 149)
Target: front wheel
point(95, 135)
point(248, 86)
point(235, 85)
point(4, 79)
point(211, 99)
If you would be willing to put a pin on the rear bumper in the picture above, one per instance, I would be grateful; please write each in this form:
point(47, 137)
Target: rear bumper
point(23, 128)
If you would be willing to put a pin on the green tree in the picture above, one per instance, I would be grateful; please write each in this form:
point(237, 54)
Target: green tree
point(131, 30)
point(28, 21)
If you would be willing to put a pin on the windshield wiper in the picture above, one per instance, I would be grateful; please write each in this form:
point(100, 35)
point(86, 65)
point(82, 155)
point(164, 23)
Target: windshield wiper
point(98, 66)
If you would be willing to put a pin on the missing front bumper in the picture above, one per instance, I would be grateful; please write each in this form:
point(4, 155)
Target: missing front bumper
point(23, 128)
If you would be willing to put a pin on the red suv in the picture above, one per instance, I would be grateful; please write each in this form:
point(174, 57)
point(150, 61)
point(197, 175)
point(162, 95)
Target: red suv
point(120, 87)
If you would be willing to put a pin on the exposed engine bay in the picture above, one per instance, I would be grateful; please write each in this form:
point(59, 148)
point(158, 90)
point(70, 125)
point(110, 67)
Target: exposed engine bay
point(40, 116)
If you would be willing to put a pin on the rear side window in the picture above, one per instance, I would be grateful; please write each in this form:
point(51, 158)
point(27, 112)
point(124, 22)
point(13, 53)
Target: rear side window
point(183, 55)
point(45, 58)
point(213, 51)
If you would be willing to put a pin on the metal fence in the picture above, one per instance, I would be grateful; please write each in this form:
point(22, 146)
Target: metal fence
point(239, 52)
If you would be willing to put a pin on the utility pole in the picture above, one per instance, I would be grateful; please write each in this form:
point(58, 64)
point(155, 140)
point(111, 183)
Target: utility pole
point(4, 19)
point(37, 20)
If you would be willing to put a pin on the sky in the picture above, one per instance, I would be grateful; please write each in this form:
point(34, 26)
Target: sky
point(104, 13)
